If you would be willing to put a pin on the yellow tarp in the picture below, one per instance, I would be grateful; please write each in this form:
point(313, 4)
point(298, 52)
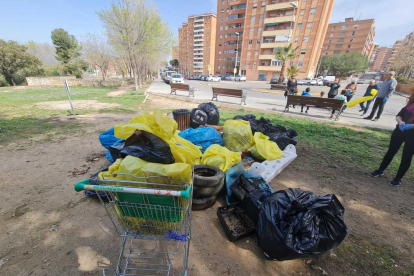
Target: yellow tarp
point(264, 149)
point(354, 102)
point(237, 135)
point(220, 157)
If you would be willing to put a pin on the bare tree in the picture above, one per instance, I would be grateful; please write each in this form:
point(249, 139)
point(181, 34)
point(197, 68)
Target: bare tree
point(45, 52)
point(98, 53)
point(404, 61)
point(138, 34)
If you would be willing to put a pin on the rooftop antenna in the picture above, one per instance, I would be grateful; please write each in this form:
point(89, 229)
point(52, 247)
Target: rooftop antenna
point(356, 10)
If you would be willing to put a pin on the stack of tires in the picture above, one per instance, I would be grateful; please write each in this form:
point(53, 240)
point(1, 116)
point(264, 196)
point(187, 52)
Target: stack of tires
point(208, 182)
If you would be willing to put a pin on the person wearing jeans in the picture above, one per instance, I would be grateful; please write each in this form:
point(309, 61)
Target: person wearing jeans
point(385, 92)
point(372, 85)
point(403, 134)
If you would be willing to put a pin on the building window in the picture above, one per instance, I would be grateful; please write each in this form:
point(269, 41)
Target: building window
point(303, 51)
point(309, 26)
point(340, 40)
point(337, 52)
point(353, 33)
point(263, 3)
point(349, 46)
point(226, 28)
point(218, 67)
point(254, 5)
point(300, 63)
point(330, 40)
point(356, 26)
point(221, 28)
point(222, 10)
point(247, 62)
point(221, 36)
point(221, 20)
point(302, 12)
point(333, 29)
point(351, 40)
point(261, 17)
point(299, 26)
point(254, 63)
point(313, 11)
point(306, 39)
point(249, 53)
point(259, 30)
point(326, 53)
point(258, 41)
point(253, 18)
point(331, 35)
point(251, 31)
point(256, 53)
point(250, 41)
point(338, 46)
point(291, 63)
point(342, 34)
point(276, 63)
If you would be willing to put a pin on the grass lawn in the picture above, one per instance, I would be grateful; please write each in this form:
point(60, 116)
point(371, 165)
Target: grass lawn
point(363, 148)
point(20, 116)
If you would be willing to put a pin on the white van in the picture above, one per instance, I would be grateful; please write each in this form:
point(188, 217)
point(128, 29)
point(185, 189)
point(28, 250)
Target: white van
point(168, 75)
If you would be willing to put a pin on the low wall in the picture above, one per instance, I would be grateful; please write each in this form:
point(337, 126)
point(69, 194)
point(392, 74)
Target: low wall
point(73, 81)
point(405, 88)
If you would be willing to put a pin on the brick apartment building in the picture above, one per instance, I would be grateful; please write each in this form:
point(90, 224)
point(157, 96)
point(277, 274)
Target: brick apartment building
point(373, 57)
point(382, 59)
point(176, 53)
point(258, 28)
point(350, 36)
point(394, 52)
point(197, 40)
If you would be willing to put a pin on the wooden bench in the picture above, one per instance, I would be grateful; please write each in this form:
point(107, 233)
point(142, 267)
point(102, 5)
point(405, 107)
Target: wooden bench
point(318, 102)
point(278, 87)
point(181, 87)
point(235, 93)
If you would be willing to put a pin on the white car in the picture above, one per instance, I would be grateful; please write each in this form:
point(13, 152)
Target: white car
point(240, 78)
point(213, 78)
point(177, 78)
point(307, 81)
point(313, 82)
point(300, 82)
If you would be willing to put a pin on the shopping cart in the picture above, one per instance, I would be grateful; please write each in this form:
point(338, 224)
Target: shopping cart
point(152, 215)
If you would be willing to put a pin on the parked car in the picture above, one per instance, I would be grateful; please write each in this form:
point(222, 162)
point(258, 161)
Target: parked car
point(177, 78)
point(274, 80)
point(240, 78)
point(168, 75)
point(225, 77)
point(203, 77)
point(307, 81)
point(213, 78)
point(300, 82)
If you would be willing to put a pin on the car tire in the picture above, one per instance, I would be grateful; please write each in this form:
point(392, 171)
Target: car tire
point(199, 204)
point(208, 181)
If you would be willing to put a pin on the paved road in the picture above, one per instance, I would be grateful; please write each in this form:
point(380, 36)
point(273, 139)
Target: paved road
point(260, 96)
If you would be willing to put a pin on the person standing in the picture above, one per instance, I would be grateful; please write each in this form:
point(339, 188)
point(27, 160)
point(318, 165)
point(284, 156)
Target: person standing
point(403, 133)
point(385, 92)
point(333, 91)
point(372, 86)
point(351, 89)
point(292, 86)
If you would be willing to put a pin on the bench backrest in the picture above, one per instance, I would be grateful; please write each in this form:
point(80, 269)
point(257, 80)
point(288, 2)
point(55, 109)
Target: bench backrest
point(227, 91)
point(180, 86)
point(316, 101)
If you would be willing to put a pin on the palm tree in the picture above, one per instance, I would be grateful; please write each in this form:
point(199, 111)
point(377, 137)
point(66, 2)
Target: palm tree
point(292, 71)
point(285, 54)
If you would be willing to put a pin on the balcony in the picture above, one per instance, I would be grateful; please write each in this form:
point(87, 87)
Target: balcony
point(277, 32)
point(264, 45)
point(269, 56)
point(198, 39)
point(279, 19)
point(281, 6)
point(197, 45)
point(270, 68)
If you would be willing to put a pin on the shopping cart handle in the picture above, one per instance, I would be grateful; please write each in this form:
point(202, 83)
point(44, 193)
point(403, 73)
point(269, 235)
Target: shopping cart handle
point(187, 193)
point(79, 187)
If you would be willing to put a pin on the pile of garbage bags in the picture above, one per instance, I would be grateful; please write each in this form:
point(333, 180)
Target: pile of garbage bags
point(276, 133)
point(206, 113)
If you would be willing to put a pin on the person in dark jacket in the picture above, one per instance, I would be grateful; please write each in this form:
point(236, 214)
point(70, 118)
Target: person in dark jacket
point(306, 93)
point(333, 91)
point(402, 134)
point(372, 85)
point(292, 85)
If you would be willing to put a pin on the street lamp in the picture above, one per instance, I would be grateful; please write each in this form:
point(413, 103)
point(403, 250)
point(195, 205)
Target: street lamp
point(237, 52)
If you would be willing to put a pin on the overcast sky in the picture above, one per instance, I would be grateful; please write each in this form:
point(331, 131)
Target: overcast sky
point(25, 20)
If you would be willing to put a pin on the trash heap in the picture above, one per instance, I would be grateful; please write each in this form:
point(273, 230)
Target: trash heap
point(243, 156)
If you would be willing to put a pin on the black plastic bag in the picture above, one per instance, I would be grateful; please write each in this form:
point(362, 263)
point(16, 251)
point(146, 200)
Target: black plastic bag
point(146, 146)
point(298, 224)
point(198, 118)
point(93, 180)
point(213, 115)
point(283, 139)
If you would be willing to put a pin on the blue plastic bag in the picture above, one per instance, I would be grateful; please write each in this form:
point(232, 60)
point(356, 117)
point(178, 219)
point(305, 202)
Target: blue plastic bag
point(203, 137)
point(108, 139)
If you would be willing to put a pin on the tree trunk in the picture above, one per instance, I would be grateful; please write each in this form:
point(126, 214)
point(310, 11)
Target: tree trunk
point(282, 73)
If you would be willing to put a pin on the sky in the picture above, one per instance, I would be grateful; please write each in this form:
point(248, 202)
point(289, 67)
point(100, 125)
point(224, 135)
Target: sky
point(25, 20)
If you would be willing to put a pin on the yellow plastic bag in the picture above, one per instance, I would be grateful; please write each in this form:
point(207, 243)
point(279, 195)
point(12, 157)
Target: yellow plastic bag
point(264, 149)
point(237, 135)
point(159, 124)
point(220, 157)
point(354, 102)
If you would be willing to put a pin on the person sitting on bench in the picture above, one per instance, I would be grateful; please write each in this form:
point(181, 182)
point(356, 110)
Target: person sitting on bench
point(306, 94)
point(340, 97)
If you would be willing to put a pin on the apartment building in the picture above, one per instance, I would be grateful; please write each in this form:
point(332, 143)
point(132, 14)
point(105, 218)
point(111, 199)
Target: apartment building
point(374, 55)
point(252, 30)
point(382, 59)
point(394, 52)
point(175, 53)
point(350, 36)
point(197, 40)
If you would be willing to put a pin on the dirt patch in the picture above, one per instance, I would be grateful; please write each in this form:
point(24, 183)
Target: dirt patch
point(120, 91)
point(77, 104)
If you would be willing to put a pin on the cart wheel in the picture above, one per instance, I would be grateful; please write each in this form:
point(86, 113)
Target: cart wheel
point(203, 203)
